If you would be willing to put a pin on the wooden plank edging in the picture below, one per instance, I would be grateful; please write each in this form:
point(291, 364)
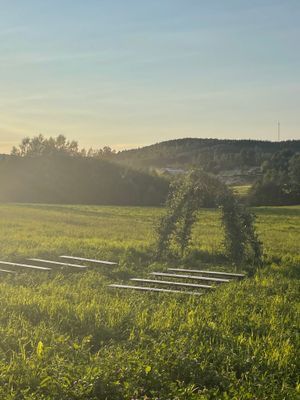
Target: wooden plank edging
point(200, 278)
point(90, 260)
point(229, 274)
point(147, 288)
point(195, 285)
point(57, 263)
point(25, 265)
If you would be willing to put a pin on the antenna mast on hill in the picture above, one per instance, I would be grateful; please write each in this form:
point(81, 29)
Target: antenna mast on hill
point(278, 131)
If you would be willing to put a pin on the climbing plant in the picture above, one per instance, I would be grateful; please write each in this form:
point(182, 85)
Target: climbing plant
point(198, 189)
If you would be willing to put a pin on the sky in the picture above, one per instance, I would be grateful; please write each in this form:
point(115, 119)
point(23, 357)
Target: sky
point(135, 72)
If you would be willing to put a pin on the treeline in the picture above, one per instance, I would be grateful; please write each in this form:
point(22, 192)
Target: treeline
point(42, 146)
point(55, 171)
point(213, 155)
point(279, 162)
point(280, 181)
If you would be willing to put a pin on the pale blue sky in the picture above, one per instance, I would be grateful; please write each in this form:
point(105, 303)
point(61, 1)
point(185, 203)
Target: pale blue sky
point(131, 72)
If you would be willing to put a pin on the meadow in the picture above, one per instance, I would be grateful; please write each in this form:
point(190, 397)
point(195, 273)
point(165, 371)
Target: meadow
point(66, 335)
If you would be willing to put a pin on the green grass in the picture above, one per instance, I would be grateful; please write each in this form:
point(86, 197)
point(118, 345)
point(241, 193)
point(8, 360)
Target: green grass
point(30, 230)
point(241, 190)
point(67, 336)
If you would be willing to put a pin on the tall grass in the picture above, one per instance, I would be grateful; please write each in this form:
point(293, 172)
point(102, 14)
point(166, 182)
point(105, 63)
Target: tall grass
point(67, 336)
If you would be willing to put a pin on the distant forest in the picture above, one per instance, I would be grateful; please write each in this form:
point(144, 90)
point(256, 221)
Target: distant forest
point(279, 183)
point(55, 170)
point(213, 155)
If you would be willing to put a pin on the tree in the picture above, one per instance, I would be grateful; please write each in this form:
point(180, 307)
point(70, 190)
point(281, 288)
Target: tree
point(280, 181)
point(105, 153)
point(198, 189)
point(40, 146)
point(294, 169)
point(241, 241)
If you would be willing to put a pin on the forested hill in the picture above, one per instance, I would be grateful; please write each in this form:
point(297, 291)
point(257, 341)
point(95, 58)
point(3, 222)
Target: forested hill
point(213, 154)
point(76, 180)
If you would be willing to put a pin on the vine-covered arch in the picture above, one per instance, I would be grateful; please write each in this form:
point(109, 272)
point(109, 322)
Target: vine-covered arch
point(198, 189)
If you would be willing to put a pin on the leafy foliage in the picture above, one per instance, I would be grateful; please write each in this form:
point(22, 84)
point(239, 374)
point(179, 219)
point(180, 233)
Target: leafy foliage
point(186, 195)
point(280, 182)
point(198, 189)
point(41, 146)
point(241, 241)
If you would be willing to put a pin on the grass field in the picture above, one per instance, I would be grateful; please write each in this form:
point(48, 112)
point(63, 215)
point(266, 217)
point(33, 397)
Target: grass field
point(66, 335)
point(241, 190)
point(29, 230)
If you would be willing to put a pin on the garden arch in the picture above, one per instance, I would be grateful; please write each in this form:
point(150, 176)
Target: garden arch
point(194, 191)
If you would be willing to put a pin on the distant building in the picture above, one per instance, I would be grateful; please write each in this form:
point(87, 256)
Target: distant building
point(239, 176)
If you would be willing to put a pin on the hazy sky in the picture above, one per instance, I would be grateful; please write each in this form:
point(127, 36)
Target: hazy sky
point(131, 72)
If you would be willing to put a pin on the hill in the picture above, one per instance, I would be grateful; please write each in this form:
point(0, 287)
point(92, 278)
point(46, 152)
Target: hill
point(77, 180)
point(214, 155)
